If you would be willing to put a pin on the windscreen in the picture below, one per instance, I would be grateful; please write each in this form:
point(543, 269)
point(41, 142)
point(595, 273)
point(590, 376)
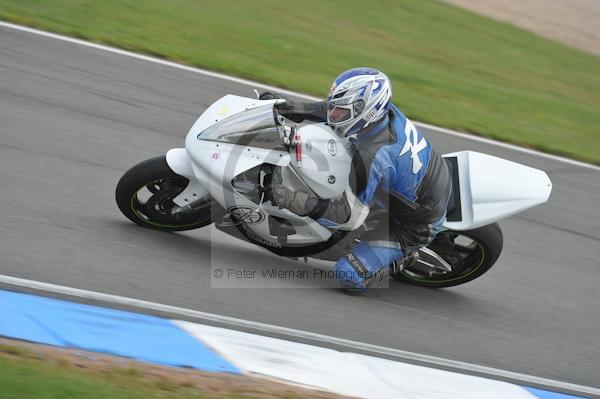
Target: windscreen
point(254, 127)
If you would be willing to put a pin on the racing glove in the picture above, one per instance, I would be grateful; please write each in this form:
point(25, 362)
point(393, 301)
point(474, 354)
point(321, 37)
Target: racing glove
point(295, 201)
point(303, 204)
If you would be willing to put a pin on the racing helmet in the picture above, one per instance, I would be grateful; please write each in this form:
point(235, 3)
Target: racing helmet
point(358, 98)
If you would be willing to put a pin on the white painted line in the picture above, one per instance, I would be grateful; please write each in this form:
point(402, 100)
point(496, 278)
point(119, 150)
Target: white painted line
point(153, 60)
point(508, 146)
point(293, 333)
point(288, 92)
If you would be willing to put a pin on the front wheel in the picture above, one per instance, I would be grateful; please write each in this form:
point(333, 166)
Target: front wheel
point(145, 196)
point(455, 257)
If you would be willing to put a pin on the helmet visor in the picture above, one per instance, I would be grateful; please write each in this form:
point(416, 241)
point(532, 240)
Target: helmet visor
point(339, 113)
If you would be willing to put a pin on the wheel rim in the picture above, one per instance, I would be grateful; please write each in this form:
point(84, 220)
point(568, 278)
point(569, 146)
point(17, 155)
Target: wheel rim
point(153, 204)
point(463, 253)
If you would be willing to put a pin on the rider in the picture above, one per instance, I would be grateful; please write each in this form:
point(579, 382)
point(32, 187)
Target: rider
point(393, 167)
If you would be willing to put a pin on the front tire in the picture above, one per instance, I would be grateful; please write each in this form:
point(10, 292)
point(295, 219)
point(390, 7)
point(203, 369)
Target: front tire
point(145, 195)
point(471, 253)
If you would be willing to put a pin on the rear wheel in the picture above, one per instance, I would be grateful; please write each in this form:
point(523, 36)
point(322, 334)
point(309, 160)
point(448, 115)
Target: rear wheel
point(145, 196)
point(465, 255)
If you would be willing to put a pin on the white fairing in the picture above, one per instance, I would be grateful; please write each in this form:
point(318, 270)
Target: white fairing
point(224, 108)
point(214, 164)
point(180, 159)
point(325, 162)
point(492, 188)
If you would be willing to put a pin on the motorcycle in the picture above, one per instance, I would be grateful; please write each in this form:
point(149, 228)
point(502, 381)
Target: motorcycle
point(239, 147)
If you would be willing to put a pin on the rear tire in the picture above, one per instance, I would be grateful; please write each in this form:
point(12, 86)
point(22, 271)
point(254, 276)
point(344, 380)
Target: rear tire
point(158, 211)
point(488, 241)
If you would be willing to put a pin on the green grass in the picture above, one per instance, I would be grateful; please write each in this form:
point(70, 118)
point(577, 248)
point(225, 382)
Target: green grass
point(28, 378)
point(25, 374)
point(449, 67)
point(43, 372)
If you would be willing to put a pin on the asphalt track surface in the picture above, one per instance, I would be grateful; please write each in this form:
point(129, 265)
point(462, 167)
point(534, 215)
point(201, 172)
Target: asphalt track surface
point(73, 119)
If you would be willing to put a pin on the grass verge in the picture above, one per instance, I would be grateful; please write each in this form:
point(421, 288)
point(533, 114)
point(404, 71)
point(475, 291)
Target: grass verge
point(43, 372)
point(449, 67)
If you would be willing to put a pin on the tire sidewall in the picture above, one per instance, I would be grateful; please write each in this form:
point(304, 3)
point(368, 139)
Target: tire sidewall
point(491, 241)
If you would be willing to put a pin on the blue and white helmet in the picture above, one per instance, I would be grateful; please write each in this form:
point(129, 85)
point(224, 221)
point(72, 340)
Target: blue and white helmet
point(358, 98)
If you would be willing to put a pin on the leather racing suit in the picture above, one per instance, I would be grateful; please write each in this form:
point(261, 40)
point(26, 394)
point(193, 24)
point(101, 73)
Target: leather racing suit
point(393, 168)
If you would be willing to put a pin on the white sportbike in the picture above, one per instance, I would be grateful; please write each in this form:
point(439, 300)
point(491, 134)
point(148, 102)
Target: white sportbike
point(240, 146)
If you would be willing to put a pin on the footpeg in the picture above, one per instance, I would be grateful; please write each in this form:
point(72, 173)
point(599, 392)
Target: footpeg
point(405, 261)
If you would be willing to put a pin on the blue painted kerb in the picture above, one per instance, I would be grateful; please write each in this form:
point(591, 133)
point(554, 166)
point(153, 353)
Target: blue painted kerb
point(115, 332)
point(542, 394)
